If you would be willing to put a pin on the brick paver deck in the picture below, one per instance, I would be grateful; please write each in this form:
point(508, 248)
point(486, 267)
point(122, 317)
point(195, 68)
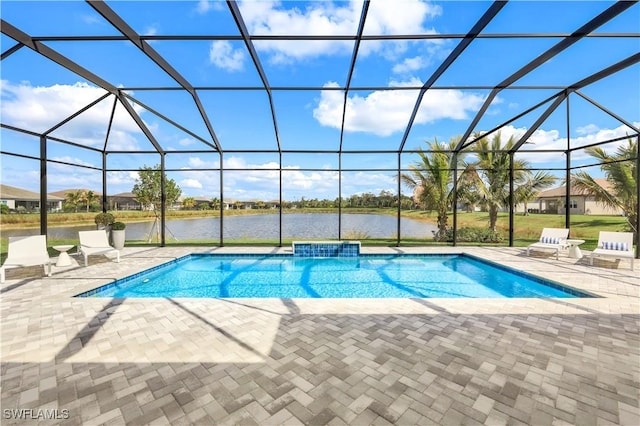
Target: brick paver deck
point(313, 361)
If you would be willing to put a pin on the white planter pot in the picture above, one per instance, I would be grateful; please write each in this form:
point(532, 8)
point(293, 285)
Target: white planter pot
point(118, 239)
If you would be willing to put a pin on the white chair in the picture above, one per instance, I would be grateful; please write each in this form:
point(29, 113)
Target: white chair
point(552, 239)
point(617, 245)
point(94, 243)
point(27, 251)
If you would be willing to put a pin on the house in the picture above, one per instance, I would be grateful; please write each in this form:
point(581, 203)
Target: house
point(22, 199)
point(123, 201)
point(95, 203)
point(552, 201)
point(202, 202)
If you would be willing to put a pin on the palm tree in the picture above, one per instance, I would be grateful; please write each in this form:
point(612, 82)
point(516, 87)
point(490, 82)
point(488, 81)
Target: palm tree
point(530, 188)
point(90, 197)
point(622, 176)
point(491, 176)
point(215, 203)
point(74, 198)
point(431, 179)
point(188, 203)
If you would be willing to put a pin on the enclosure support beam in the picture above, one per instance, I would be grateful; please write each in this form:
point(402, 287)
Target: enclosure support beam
point(399, 198)
point(221, 199)
point(604, 17)
point(608, 111)
point(118, 23)
point(567, 193)
point(163, 201)
point(638, 197)
point(339, 195)
point(354, 56)
point(484, 20)
point(244, 32)
point(454, 160)
point(54, 56)
point(511, 200)
point(280, 199)
point(105, 203)
point(538, 122)
point(43, 185)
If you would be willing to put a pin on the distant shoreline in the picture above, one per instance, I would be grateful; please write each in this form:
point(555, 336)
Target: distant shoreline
point(32, 220)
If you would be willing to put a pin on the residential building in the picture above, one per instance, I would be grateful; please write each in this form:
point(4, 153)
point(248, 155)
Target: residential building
point(19, 199)
point(552, 201)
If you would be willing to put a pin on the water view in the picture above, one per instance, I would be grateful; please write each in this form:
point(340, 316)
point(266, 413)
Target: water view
point(262, 226)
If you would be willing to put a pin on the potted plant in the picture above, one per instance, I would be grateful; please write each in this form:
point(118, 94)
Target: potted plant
point(118, 234)
point(104, 220)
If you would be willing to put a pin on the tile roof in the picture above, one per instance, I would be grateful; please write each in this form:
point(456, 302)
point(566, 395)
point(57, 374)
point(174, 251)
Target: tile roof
point(560, 191)
point(11, 192)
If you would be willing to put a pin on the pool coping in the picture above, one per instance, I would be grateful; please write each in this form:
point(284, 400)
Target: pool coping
point(601, 282)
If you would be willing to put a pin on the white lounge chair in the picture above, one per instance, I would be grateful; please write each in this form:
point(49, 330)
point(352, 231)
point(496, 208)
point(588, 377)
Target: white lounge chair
point(617, 245)
point(27, 251)
point(551, 239)
point(94, 243)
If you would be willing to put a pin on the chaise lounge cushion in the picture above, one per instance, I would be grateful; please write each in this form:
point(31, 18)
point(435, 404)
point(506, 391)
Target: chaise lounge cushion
point(551, 239)
point(615, 245)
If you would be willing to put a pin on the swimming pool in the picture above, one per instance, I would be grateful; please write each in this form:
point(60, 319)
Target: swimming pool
point(365, 276)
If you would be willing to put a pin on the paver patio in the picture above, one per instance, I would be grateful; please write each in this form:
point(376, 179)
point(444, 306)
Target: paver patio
point(314, 361)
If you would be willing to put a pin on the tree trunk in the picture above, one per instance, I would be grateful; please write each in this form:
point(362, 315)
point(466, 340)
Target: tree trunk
point(493, 217)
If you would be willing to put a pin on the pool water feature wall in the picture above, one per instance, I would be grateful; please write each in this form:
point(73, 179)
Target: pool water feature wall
point(326, 248)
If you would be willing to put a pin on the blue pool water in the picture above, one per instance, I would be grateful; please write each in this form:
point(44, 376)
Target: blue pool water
point(355, 277)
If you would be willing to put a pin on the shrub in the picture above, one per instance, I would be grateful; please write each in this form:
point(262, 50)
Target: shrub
point(4, 209)
point(472, 235)
point(104, 219)
point(353, 234)
point(118, 226)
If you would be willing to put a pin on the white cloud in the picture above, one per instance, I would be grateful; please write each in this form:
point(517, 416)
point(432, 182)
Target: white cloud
point(352, 183)
point(385, 17)
point(39, 108)
point(329, 18)
point(585, 130)
point(124, 181)
point(186, 142)
point(551, 140)
point(257, 180)
point(409, 65)
point(223, 55)
point(91, 19)
point(151, 30)
point(387, 111)
point(190, 183)
point(205, 6)
point(73, 160)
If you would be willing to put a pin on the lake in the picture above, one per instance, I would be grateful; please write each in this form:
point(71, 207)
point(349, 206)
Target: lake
point(263, 226)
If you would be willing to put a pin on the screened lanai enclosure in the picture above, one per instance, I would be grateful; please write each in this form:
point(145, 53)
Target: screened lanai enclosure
point(389, 122)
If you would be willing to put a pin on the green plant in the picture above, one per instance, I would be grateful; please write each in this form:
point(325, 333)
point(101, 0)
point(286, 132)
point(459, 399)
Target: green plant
point(353, 234)
point(476, 235)
point(104, 219)
point(118, 226)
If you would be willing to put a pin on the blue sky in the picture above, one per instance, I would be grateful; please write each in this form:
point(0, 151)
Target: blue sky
point(36, 93)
